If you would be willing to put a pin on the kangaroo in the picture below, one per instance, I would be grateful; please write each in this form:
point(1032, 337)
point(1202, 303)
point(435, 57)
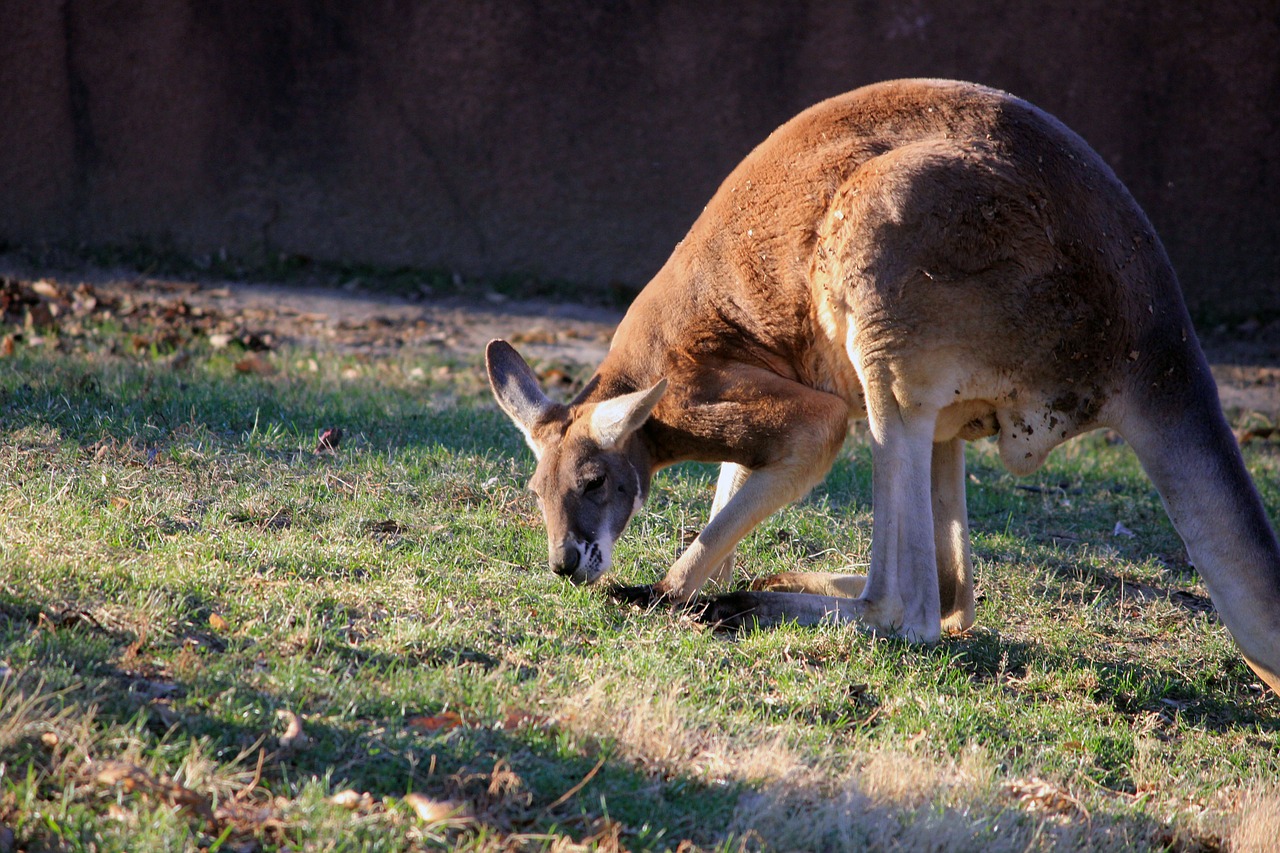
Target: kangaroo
point(948, 262)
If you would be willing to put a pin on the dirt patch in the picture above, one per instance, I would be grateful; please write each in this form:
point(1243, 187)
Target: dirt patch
point(1246, 363)
point(1245, 358)
point(263, 316)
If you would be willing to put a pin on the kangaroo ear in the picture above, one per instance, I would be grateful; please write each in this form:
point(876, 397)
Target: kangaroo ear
point(614, 420)
point(516, 388)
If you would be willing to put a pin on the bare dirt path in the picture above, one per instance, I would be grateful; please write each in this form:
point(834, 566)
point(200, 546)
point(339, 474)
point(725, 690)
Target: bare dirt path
point(1245, 358)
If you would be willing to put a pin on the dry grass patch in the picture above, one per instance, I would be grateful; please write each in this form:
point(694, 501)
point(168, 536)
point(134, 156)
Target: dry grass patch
point(1257, 829)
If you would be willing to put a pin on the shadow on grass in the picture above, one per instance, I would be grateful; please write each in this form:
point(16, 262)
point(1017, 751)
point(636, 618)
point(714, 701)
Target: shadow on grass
point(1217, 703)
point(514, 776)
point(88, 397)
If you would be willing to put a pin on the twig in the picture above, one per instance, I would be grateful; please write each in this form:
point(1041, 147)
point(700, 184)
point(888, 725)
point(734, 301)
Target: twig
point(257, 777)
point(493, 559)
point(576, 788)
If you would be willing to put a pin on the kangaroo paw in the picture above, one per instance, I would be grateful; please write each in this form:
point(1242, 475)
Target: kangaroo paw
point(769, 609)
point(642, 595)
point(733, 611)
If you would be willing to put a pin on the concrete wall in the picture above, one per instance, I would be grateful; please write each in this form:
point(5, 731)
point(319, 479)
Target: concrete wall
point(579, 138)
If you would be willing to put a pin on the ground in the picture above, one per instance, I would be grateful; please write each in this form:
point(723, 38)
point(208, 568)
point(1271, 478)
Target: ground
point(562, 337)
point(190, 573)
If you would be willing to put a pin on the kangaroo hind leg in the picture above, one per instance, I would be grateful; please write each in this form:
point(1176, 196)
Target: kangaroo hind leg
point(951, 542)
point(951, 536)
point(901, 591)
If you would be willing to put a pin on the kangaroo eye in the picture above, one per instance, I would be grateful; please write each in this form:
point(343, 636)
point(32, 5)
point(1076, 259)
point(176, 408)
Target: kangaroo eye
point(593, 485)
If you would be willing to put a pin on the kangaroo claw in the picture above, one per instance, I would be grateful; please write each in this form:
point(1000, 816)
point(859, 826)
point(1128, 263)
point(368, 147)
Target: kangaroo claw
point(641, 595)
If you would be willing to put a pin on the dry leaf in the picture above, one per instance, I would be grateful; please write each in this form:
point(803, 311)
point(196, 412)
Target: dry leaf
point(435, 811)
point(329, 440)
point(536, 335)
point(352, 800)
point(1037, 795)
point(121, 502)
point(441, 722)
point(1256, 434)
point(47, 289)
point(254, 364)
point(217, 623)
point(6, 346)
point(293, 737)
point(524, 719)
point(129, 776)
point(554, 376)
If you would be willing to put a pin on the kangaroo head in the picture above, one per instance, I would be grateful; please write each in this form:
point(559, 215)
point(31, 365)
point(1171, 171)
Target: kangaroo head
point(593, 468)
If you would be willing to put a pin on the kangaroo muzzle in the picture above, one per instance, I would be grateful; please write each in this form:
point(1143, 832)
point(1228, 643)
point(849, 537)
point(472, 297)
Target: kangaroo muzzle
point(565, 559)
point(581, 562)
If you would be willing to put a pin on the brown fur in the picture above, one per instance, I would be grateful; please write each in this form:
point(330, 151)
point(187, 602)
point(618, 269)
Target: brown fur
point(948, 262)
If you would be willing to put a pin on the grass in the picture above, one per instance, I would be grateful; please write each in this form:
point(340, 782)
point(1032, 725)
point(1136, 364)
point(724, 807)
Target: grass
point(212, 638)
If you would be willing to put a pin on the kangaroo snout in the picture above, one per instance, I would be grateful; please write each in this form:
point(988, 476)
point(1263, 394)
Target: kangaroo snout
point(565, 559)
point(582, 562)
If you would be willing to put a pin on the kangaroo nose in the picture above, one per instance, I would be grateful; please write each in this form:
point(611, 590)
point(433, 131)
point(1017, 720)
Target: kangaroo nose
point(566, 562)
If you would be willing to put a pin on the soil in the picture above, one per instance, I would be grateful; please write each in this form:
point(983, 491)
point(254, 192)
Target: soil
point(558, 335)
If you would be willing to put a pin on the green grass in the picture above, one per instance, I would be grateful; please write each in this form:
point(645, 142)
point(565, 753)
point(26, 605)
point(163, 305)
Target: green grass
point(180, 573)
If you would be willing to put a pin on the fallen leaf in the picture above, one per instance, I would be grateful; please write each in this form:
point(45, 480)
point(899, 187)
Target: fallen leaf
point(254, 364)
point(85, 300)
point(129, 776)
point(436, 811)
point(217, 623)
point(441, 722)
point(6, 346)
point(1121, 530)
point(1256, 434)
point(524, 719)
point(388, 526)
point(39, 316)
point(47, 289)
point(293, 737)
point(330, 438)
point(1037, 795)
point(352, 800)
point(536, 335)
point(554, 376)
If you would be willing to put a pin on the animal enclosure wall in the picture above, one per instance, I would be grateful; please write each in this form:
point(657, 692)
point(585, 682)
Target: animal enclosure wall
point(578, 139)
